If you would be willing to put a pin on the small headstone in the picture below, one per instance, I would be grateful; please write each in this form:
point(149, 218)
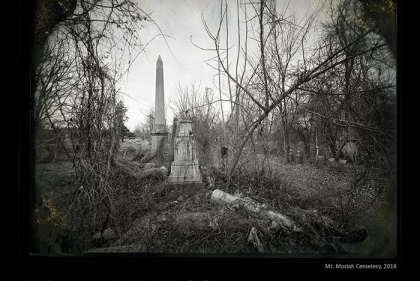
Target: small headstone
point(292, 156)
point(299, 158)
point(331, 159)
point(164, 170)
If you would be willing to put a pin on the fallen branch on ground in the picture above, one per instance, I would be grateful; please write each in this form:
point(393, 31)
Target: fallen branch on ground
point(251, 207)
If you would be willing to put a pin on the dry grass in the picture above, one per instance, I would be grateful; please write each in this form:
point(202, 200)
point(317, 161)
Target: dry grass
point(163, 219)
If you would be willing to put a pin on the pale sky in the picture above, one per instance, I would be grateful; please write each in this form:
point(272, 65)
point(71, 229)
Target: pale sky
point(179, 19)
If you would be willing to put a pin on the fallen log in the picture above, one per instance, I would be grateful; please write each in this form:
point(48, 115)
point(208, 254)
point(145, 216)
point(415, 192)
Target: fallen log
point(252, 207)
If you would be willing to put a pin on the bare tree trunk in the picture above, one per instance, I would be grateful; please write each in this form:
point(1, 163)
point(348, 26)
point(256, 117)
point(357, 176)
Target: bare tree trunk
point(316, 145)
point(286, 140)
point(307, 145)
point(236, 70)
point(243, 142)
point(339, 150)
point(227, 58)
point(269, 99)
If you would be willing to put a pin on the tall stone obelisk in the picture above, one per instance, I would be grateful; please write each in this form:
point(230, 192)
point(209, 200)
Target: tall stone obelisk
point(159, 133)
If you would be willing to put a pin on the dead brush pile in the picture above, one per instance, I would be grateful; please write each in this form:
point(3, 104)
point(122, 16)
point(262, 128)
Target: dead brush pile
point(317, 231)
point(157, 218)
point(153, 217)
point(134, 191)
point(163, 220)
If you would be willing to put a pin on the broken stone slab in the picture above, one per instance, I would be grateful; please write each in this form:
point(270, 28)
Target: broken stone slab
point(251, 206)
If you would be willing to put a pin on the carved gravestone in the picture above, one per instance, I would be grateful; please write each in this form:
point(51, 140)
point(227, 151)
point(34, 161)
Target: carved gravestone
point(292, 156)
point(299, 158)
point(184, 168)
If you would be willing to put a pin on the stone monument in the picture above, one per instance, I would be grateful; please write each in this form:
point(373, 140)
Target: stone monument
point(159, 133)
point(184, 168)
point(292, 156)
point(299, 158)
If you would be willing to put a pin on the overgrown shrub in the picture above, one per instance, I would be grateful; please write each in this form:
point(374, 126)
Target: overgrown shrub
point(139, 155)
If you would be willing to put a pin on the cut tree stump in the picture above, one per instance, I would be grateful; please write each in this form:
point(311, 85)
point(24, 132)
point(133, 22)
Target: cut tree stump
point(252, 207)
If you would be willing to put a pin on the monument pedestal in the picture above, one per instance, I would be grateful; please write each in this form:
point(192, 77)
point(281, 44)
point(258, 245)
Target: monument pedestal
point(184, 168)
point(183, 173)
point(159, 142)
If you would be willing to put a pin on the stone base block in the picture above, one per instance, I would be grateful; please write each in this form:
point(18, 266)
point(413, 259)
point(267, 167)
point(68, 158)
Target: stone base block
point(159, 142)
point(183, 173)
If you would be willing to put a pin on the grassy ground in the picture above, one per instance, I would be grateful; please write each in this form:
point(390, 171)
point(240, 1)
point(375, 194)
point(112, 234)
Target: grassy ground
point(152, 217)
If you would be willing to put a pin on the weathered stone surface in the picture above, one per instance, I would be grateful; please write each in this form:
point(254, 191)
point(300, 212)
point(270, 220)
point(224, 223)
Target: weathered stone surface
point(222, 197)
point(185, 168)
point(164, 170)
point(299, 158)
point(159, 133)
point(291, 156)
point(160, 118)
